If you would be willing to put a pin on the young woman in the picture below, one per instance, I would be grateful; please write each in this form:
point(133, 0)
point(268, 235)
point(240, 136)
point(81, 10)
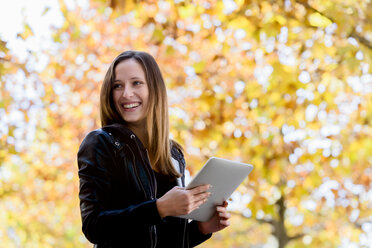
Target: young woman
point(131, 173)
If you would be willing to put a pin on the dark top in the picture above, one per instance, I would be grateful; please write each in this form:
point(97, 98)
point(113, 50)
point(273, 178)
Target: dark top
point(118, 193)
point(171, 229)
point(165, 183)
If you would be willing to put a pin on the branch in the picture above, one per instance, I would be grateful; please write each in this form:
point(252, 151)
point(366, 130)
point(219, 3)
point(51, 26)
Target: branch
point(4, 59)
point(261, 221)
point(359, 224)
point(298, 236)
point(18, 65)
point(353, 33)
point(265, 221)
point(361, 39)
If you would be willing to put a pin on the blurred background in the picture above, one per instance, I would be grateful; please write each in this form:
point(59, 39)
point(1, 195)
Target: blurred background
point(284, 85)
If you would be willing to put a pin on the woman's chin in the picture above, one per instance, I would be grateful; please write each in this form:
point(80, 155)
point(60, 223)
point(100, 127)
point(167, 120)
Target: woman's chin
point(134, 121)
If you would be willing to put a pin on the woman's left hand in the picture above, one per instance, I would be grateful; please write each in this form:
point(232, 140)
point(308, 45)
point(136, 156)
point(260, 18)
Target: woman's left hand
point(219, 221)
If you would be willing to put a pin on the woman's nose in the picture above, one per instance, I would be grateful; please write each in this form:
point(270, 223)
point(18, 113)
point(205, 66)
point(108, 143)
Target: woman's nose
point(127, 92)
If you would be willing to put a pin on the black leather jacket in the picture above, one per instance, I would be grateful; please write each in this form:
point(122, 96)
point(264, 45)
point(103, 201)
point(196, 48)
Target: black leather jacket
point(118, 192)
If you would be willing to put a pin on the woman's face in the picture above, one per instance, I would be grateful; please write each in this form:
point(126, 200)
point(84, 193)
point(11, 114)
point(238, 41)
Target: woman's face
point(131, 92)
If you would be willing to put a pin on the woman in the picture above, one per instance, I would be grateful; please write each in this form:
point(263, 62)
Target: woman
point(131, 172)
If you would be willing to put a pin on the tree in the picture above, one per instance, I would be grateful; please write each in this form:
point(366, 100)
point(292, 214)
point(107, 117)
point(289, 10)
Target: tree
point(284, 85)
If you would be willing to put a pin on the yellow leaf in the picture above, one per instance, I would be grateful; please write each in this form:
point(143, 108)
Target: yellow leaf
point(280, 19)
point(199, 66)
point(187, 11)
point(318, 20)
point(242, 23)
point(158, 35)
point(27, 32)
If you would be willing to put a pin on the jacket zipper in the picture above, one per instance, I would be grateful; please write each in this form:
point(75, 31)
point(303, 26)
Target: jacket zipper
point(153, 244)
point(153, 182)
point(152, 176)
point(143, 189)
point(136, 172)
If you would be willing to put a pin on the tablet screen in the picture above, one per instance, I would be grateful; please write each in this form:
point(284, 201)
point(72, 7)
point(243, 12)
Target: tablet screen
point(224, 176)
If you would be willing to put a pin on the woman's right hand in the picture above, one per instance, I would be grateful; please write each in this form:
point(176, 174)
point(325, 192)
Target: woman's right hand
point(179, 201)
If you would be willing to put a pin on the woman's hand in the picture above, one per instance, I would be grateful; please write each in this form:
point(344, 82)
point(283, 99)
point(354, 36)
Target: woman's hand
point(219, 221)
point(179, 201)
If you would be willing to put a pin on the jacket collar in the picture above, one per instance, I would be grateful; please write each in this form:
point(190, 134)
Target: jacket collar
point(122, 135)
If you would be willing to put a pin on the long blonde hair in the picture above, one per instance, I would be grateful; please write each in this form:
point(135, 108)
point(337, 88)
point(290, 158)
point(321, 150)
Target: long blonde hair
point(157, 119)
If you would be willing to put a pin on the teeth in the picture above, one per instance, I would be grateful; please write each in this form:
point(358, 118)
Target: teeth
point(132, 105)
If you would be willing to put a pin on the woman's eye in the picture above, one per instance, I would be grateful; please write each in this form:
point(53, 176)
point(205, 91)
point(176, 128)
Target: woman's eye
point(117, 86)
point(136, 82)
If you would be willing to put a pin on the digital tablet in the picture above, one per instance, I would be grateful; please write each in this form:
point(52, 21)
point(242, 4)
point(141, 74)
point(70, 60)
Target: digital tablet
point(224, 176)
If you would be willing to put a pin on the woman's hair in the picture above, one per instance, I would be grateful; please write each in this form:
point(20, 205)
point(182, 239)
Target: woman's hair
point(157, 123)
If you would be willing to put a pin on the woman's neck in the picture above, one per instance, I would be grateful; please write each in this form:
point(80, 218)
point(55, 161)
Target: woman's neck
point(141, 133)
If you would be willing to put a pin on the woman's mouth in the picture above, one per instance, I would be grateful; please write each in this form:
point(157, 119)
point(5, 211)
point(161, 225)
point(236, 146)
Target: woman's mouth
point(130, 106)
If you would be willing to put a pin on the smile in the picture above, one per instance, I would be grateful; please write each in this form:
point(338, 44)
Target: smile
point(130, 105)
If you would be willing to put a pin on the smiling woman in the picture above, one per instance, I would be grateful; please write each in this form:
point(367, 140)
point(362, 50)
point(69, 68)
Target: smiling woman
point(129, 169)
point(131, 93)
point(154, 131)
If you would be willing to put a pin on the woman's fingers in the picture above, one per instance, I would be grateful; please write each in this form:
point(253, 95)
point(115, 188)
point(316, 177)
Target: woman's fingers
point(195, 205)
point(178, 201)
point(198, 201)
point(199, 189)
point(224, 215)
point(198, 196)
point(225, 223)
point(201, 197)
point(185, 201)
point(221, 209)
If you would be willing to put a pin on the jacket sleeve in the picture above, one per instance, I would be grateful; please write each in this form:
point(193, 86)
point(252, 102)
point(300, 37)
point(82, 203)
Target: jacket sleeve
point(95, 158)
